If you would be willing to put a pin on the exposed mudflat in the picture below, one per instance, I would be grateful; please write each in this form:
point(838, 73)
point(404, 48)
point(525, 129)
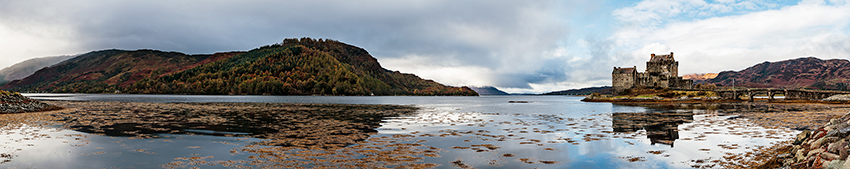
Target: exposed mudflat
point(385, 136)
point(298, 125)
point(294, 135)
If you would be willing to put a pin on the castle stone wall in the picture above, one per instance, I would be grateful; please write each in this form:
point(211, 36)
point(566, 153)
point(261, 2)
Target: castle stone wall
point(662, 71)
point(623, 79)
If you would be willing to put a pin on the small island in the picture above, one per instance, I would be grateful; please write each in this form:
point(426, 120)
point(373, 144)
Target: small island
point(661, 84)
point(819, 115)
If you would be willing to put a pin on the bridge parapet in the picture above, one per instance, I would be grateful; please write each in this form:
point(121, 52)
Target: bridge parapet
point(790, 94)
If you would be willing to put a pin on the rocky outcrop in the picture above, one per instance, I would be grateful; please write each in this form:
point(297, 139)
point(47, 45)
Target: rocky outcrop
point(826, 147)
point(16, 103)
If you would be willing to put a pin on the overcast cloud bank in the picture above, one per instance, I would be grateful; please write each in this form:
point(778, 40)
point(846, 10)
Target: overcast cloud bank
point(517, 46)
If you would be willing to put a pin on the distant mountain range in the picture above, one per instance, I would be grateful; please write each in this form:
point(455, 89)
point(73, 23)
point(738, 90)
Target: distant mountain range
point(294, 67)
point(488, 90)
point(808, 72)
point(28, 67)
point(583, 91)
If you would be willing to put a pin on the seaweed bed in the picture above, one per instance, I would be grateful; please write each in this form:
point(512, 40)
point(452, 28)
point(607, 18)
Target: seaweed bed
point(295, 135)
point(296, 125)
point(342, 136)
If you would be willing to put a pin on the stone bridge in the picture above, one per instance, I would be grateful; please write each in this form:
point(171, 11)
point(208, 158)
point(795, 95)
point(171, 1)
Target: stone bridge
point(790, 94)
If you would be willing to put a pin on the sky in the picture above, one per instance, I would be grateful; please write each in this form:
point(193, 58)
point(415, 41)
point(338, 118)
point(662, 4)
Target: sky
point(517, 46)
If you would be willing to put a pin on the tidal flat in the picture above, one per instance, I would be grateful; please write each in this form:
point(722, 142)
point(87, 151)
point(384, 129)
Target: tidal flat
point(540, 132)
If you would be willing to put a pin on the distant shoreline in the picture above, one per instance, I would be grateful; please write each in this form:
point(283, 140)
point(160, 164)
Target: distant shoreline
point(667, 101)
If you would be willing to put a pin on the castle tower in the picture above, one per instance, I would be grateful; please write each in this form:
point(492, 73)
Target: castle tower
point(662, 65)
point(623, 79)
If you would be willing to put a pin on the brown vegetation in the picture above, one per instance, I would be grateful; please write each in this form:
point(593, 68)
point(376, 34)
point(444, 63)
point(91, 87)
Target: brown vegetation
point(16, 103)
point(806, 72)
point(296, 125)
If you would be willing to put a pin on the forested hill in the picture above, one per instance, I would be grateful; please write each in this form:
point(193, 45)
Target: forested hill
point(294, 67)
point(108, 71)
point(583, 91)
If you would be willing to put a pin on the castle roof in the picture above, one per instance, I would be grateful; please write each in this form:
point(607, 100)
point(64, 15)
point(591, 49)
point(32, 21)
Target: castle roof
point(660, 58)
point(624, 70)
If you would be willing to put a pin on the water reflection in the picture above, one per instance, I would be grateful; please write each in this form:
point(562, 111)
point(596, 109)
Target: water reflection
point(561, 140)
point(32, 146)
point(480, 132)
point(661, 127)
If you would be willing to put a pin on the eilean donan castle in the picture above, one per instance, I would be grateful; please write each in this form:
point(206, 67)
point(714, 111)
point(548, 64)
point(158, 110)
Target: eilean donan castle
point(662, 71)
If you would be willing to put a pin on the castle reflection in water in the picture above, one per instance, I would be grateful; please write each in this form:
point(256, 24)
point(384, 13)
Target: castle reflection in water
point(661, 127)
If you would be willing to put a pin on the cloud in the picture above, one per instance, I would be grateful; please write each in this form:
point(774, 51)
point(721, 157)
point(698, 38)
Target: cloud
point(490, 43)
point(739, 41)
point(518, 46)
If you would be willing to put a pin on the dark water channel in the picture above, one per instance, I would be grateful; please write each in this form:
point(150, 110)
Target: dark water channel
point(480, 132)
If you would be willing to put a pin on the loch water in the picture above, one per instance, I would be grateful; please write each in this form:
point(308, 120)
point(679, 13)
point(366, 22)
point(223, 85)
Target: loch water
point(480, 132)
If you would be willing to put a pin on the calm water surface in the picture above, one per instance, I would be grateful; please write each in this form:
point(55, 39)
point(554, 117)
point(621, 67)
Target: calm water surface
point(482, 132)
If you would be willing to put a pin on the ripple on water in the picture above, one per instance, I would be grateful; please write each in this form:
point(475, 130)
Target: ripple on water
point(542, 135)
point(657, 139)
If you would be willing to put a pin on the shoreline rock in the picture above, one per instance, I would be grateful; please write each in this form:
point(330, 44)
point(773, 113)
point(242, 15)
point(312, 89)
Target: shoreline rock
point(825, 147)
point(17, 103)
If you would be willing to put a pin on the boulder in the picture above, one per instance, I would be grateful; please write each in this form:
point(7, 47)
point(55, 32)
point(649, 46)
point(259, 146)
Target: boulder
point(802, 137)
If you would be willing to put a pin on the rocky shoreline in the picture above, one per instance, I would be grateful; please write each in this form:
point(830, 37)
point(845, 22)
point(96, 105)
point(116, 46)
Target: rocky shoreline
point(824, 147)
point(16, 103)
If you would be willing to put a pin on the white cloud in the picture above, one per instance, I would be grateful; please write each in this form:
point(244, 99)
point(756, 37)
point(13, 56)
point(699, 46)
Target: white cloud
point(22, 44)
point(537, 46)
point(507, 39)
point(447, 73)
point(739, 41)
